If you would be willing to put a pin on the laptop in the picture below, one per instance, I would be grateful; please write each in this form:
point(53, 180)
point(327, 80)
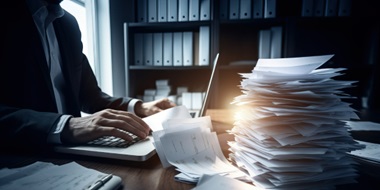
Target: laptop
point(140, 150)
point(202, 112)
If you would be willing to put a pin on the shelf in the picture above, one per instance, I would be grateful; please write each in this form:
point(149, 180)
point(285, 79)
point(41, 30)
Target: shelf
point(158, 68)
point(165, 68)
point(172, 26)
point(264, 21)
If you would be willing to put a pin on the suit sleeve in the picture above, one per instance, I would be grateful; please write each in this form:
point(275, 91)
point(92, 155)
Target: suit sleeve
point(87, 93)
point(25, 127)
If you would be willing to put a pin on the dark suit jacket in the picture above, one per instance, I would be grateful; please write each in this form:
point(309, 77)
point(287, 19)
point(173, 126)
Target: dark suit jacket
point(27, 106)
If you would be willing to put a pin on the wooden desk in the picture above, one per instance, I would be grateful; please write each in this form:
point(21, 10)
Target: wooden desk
point(146, 175)
point(136, 175)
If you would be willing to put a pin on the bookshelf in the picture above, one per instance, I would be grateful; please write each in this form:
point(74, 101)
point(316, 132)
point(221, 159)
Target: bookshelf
point(351, 38)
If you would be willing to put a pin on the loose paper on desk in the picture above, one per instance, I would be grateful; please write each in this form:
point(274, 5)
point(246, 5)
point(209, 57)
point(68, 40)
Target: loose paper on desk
point(43, 176)
point(193, 149)
point(219, 182)
point(155, 121)
point(364, 126)
point(370, 153)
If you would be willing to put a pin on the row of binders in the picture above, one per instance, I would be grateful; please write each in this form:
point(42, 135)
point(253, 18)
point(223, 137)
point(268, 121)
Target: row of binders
point(199, 10)
point(187, 48)
point(173, 10)
point(326, 8)
point(247, 9)
point(258, 9)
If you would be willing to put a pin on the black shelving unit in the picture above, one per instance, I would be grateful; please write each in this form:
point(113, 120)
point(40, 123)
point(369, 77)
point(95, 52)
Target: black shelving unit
point(353, 39)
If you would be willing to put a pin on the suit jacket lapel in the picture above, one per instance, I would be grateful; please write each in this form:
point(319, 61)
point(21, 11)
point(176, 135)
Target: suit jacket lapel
point(70, 75)
point(40, 58)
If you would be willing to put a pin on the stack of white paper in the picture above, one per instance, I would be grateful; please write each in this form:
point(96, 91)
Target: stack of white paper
point(290, 130)
point(190, 145)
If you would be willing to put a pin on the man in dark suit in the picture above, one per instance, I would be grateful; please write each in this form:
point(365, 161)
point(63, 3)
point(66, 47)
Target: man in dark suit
point(46, 81)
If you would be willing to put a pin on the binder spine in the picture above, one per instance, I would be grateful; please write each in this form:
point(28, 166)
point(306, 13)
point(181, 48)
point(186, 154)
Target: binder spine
point(152, 10)
point(162, 10)
point(183, 10)
point(157, 50)
point(204, 45)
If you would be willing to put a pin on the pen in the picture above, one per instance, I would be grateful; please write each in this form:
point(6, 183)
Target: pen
point(100, 182)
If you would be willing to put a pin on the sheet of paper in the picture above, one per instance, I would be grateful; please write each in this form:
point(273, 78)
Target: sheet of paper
point(159, 148)
point(371, 151)
point(183, 144)
point(67, 176)
point(363, 126)
point(193, 149)
point(9, 175)
point(171, 124)
point(155, 121)
point(222, 183)
point(297, 65)
point(172, 127)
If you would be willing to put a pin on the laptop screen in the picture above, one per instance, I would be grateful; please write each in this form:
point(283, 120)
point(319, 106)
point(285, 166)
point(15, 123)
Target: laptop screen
point(206, 100)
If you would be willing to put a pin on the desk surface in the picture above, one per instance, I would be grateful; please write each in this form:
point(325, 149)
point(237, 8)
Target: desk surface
point(144, 175)
point(135, 175)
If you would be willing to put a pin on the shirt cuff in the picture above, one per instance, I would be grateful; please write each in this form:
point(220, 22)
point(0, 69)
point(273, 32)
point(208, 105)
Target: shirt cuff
point(131, 105)
point(55, 135)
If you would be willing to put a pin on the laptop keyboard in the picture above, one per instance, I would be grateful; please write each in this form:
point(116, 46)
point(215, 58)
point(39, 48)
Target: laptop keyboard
point(111, 141)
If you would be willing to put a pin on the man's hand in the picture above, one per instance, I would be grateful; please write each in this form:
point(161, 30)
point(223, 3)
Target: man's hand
point(149, 108)
point(107, 122)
